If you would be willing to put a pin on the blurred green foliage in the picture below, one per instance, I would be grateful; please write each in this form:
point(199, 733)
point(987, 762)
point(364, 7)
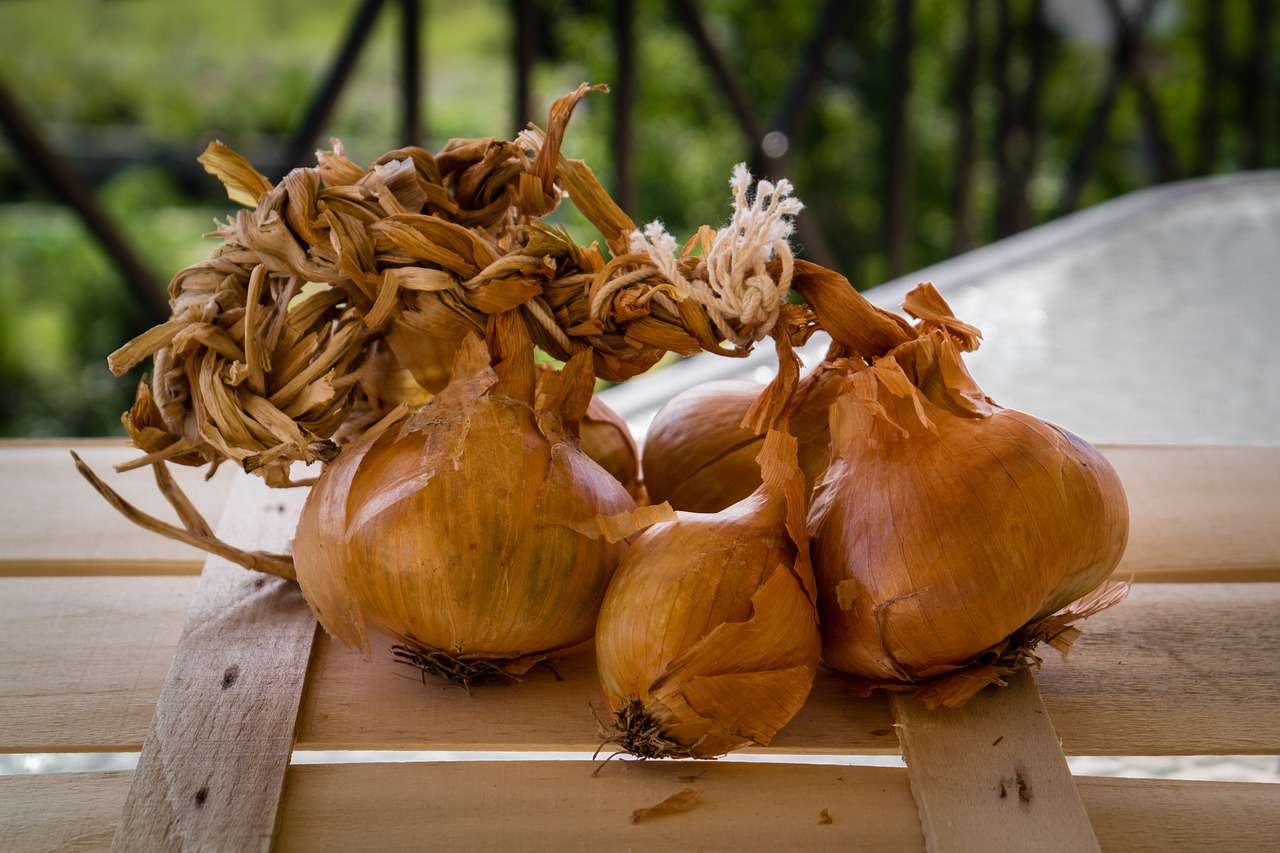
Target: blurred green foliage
point(166, 76)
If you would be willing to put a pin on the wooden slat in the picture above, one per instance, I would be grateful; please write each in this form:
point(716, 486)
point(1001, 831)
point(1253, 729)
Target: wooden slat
point(62, 812)
point(213, 763)
point(381, 704)
point(1110, 696)
point(84, 658)
point(989, 767)
point(557, 805)
point(1200, 513)
point(1177, 669)
point(1163, 815)
point(560, 806)
point(52, 522)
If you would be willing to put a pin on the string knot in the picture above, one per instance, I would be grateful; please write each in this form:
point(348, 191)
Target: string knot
point(741, 298)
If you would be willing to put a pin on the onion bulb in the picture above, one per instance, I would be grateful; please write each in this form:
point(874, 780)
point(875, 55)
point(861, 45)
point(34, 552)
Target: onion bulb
point(606, 438)
point(477, 532)
point(698, 455)
point(708, 637)
point(948, 530)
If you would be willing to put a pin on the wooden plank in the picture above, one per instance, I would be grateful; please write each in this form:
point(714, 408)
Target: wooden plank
point(1113, 695)
point(52, 521)
point(63, 812)
point(352, 703)
point(1200, 513)
point(1160, 815)
point(84, 659)
point(1177, 669)
point(1143, 679)
point(332, 807)
point(991, 771)
point(213, 763)
point(559, 805)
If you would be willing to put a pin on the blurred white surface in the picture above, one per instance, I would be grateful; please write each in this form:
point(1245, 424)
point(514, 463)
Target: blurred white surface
point(1146, 319)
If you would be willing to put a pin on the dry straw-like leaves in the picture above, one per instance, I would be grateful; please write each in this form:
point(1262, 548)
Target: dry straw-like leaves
point(342, 292)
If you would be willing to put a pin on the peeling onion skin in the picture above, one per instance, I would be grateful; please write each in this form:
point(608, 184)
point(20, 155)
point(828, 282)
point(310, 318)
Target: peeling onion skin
point(699, 457)
point(606, 438)
point(946, 523)
point(708, 634)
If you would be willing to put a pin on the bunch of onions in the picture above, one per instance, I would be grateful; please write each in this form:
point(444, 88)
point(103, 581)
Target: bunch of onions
point(949, 533)
point(476, 532)
point(708, 638)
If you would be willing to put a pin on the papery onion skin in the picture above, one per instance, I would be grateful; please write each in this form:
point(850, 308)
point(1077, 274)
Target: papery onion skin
point(699, 457)
point(708, 638)
point(456, 531)
point(606, 438)
point(946, 523)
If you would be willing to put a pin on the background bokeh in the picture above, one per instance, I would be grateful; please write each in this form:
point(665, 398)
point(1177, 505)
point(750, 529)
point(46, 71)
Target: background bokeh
point(914, 129)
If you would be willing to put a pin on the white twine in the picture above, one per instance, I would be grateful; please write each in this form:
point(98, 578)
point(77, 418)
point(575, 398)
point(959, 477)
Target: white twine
point(738, 291)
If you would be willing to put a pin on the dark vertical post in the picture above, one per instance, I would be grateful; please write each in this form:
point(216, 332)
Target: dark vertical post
point(298, 151)
point(962, 237)
point(624, 92)
point(1209, 124)
point(411, 70)
point(525, 35)
point(1006, 118)
point(898, 141)
point(1159, 143)
point(1095, 134)
point(1029, 113)
point(688, 15)
point(54, 171)
point(1257, 84)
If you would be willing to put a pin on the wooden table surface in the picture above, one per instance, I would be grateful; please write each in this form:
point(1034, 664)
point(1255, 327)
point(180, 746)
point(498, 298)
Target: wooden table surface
point(93, 612)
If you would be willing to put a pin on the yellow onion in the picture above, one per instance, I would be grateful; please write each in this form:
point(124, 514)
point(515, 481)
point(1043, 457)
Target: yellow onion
point(698, 455)
point(606, 438)
point(477, 533)
point(948, 530)
point(708, 637)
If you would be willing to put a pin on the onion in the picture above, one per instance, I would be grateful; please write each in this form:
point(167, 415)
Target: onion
point(699, 456)
point(477, 533)
point(948, 531)
point(606, 438)
point(708, 637)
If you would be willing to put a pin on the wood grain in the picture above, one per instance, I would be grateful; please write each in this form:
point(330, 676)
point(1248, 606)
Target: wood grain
point(52, 522)
point(991, 771)
point(1110, 696)
point(558, 805)
point(84, 659)
point(213, 763)
point(381, 704)
point(1200, 513)
point(1177, 669)
point(62, 812)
